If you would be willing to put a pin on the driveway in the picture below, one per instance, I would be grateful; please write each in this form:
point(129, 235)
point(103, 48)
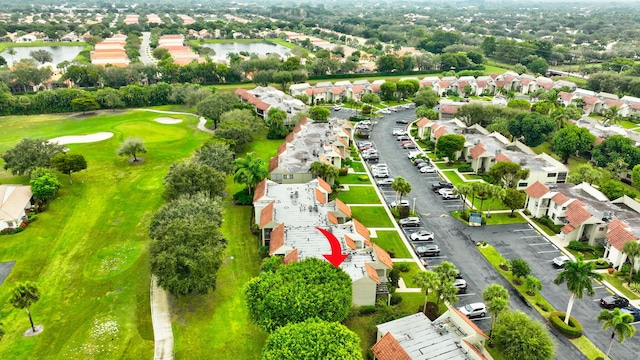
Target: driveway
point(145, 49)
point(456, 240)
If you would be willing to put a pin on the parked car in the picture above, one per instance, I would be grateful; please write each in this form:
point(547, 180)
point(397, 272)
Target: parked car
point(410, 221)
point(428, 170)
point(423, 164)
point(461, 285)
point(422, 235)
point(443, 191)
point(634, 311)
point(614, 301)
point(474, 309)
point(381, 173)
point(398, 131)
point(412, 155)
point(363, 145)
point(403, 203)
point(403, 138)
point(409, 146)
point(418, 161)
point(436, 186)
point(560, 261)
point(402, 121)
point(427, 250)
point(384, 111)
point(382, 166)
point(336, 108)
point(385, 182)
point(448, 195)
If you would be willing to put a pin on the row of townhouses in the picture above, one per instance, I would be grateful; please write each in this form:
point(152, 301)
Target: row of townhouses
point(587, 215)
point(264, 98)
point(289, 215)
point(483, 149)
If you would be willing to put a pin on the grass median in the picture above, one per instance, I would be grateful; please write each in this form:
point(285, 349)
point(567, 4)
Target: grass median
point(390, 239)
point(359, 195)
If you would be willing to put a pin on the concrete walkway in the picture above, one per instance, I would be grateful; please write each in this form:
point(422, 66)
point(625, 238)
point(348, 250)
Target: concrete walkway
point(161, 317)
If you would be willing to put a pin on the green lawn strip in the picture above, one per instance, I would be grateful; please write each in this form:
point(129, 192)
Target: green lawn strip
point(359, 195)
point(391, 240)
point(544, 227)
point(503, 219)
point(446, 166)
point(495, 259)
point(453, 177)
point(353, 179)
point(288, 44)
point(88, 252)
point(495, 353)
point(627, 124)
point(357, 166)
point(587, 255)
point(408, 276)
point(618, 283)
point(176, 108)
point(371, 216)
point(365, 327)
point(218, 322)
point(545, 147)
point(471, 176)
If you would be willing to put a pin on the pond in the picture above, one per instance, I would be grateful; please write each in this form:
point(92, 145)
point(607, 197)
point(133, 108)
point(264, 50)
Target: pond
point(60, 53)
point(259, 48)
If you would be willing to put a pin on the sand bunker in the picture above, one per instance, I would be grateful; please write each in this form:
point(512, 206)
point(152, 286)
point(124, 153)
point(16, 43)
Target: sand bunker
point(77, 139)
point(168, 120)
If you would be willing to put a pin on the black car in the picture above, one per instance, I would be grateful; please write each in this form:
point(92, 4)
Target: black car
point(614, 301)
point(402, 121)
point(436, 186)
point(427, 250)
point(634, 311)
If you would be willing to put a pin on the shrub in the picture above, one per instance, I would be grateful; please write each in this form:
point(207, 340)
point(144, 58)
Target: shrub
point(263, 251)
point(576, 245)
point(243, 197)
point(395, 299)
point(625, 268)
point(601, 263)
point(343, 172)
point(635, 287)
point(347, 162)
point(32, 217)
point(527, 212)
point(542, 307)
point(465, 168)
point(394, 276)
point(404, 267)
point(366, 310)
point(391, 252)
point(363, 178)
point(18, 230)
point(6, 231)
point(24, 224)
point(557, 320)
point(549, 223)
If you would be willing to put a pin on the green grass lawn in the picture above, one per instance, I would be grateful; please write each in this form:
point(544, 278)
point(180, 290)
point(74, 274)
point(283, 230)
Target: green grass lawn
point(408, 276)
point(453, 178)
point(357, 166)
point(391, 240)
point(371, 216)
point(359, 195)
point(88, 253)
point(618, 283)
point(503, 218)
point(353, 179)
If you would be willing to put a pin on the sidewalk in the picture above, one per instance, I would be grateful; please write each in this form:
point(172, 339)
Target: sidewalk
point(161, 318)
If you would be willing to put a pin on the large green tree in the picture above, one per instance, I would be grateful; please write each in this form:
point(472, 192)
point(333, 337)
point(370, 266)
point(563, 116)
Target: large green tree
point(197, 207)
point(68, 163)
point(448, 145)
point(616, 148)
point(44, 186)
point(250, 170)
point(619, 323)
point(282, 78)
point(132, 146)
point(312, 339)
point(217, 155)
point(533, 128)
point(426, 96)
point(401, 186)
point(572, 140)
point(497, 299)
point(192, 177)
point(514, 200)
point(635, 176)
point(299, 291)
point(427, 281)
point(319, 113)
point(508, 174)
point(215, 105)
point(42, 56)
point(29, 154)
point(586, 173)
point(632, 250)
point(579, 276)
point(520, 268)
point(519, 337)
point(388, 91)
point(84, 103)
point(23, 296)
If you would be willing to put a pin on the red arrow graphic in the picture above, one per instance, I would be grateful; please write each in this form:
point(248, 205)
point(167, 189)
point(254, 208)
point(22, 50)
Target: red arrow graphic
point(336, 257)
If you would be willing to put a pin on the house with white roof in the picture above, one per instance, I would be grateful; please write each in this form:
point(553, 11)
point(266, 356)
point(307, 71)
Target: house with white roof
point(14, 201)
point(451, 336)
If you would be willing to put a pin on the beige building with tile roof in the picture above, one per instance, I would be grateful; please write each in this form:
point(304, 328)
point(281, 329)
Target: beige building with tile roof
point(14, 201)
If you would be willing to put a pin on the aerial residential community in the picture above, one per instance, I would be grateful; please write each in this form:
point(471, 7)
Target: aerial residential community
point(296, 180)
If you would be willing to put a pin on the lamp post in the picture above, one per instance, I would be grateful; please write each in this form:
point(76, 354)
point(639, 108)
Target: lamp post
point(413, 207)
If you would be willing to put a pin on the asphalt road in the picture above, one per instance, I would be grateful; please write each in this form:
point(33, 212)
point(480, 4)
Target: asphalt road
point(145, 49)
point(456, 240)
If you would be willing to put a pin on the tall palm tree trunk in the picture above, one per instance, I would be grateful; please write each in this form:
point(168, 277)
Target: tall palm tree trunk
point(572, 299)
point(33, 328)
point(606, 356)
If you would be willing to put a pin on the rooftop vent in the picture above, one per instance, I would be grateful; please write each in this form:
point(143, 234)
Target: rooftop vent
point(607, 215)
point(523, 161)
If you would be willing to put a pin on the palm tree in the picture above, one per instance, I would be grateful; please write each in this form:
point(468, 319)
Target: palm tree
point(427, 281)
point(250, 171)
point(612, 115)
point(401, 186)
point(11, 52)
point(533, 285)
point(497, 299)
point(482, 189)
point(494, 192)
point(579, 277)
point(24, 295)
point(560, 116)
point(632, 249)
point(464, 190)
point(619, 323)
point(447, 273)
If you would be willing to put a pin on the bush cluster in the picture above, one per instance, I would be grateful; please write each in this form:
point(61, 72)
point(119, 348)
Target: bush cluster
point(243, 197)
point(557, 320)
point(465, 168)
point(549, 223)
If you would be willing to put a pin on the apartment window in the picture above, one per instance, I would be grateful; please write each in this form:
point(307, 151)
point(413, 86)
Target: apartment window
point(287, 176)
point(555, 206)
point(552, 175)
point(601, 228)
point(522, 184)
point(553, 216)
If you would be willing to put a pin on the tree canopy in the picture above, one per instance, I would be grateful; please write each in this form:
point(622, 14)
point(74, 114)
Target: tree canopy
point(520, 337)
point(319, 113)
point(191, 178)
point(68, 163)
point(427, 97)
point(196, 207)
point(29, 154)
point(616, 147)
point(23, 296)
point(514, 200)
point(217, 104)
point(45, 186)
point(312, 339)
point(216, 155)
point(448, 145)
point(572, 140)
point(533, 128)
point(131, 147)
point(299, 291)
point(508, 174)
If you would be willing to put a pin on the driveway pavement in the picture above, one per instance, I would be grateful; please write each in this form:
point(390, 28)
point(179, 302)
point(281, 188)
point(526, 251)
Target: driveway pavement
point(456, 240)
point(145, 49)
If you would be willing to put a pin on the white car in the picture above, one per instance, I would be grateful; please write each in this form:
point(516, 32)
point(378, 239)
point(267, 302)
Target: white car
point(383, 173)
point(428, 170)
point(445, 191)
point(384, 111)
point(422, 235)
point(474, 310)
point(560, 261)
point(403, 203)
point(380, 167)
point(336, 108)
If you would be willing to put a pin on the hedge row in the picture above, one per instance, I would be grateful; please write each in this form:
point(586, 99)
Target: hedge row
point(557, 320)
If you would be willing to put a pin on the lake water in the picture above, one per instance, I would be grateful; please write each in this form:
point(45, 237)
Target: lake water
point(260, 48)
point(60, 53)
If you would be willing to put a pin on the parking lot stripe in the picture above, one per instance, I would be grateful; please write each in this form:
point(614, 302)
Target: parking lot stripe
point(548, 251)
point(610, 291)
point(598, 287)
point(536, 244)
point(530, 236)
point(597, 282)
point(518, 230)
point(469, 294)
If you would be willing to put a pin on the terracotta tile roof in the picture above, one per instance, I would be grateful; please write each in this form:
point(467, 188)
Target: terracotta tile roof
point(509, 78)
point(332, 218)
point(320, 196)
point(297, 128)
point(277, 239)
point(282, 148)
point(439, 132)
point(546, 85)
point(324, 159)
point(577, 215)
point(368, 243)
point(253, 100)
point(375, 88)
point(340, 153)
point(424, 83)
point(263, 106)
point(475, 350)
point(372, 273)
point(494, 75)
point(319, 90)
point(576, 203)
point(590, 100)
point(337, 90)
point(501, 157)
point(469, 322)
point(616, 223)
point(525, 81)
point(444, 84)
point(350, 243)
point(501, 83)
point(343, 141)
point(634, 106)
point(356, 89)
point(559, 198)
point(536, 190)
point(291, 257)
point(260, 190)
point(361, 229)
point(273, 163)
point(383, 256)
point(423, 122)
point(462, 84)
point(240, 91)
point(266, 215)
point(566, 96)
point(477, 151)
point(325, 185)
point(290, 137)
point(567, 229)
point(614, 102)
point(481, 83)
point(619, 236)
point(344, 208)
point(448, 109)
point(388, 348)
